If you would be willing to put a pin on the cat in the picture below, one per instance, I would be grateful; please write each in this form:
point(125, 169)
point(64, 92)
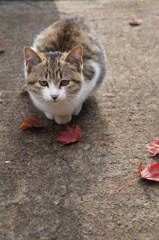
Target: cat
point(65, 66)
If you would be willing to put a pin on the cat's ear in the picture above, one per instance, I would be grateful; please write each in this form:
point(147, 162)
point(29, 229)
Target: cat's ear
point(74, 57)
point(32, 58)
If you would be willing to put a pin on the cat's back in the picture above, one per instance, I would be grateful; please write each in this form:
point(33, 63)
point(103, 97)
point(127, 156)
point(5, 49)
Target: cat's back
point(65, 34)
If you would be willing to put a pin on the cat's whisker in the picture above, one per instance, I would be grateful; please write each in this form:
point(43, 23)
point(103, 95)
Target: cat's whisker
point(68, 105)
point(72, 101)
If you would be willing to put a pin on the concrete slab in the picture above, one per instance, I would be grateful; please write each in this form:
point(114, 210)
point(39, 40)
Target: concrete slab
point(51, 192)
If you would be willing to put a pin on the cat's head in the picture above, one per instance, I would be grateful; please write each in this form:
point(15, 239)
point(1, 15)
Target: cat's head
point(55, 76)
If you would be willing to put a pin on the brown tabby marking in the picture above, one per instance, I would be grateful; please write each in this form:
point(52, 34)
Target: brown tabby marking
point(66, 34)
point(67, 65)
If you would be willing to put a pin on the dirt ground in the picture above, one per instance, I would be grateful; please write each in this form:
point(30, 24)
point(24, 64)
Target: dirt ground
point(49, 191)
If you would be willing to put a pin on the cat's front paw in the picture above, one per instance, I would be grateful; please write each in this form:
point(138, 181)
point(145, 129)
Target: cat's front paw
point(77, 110)
point(50, 116)
point(63, 119)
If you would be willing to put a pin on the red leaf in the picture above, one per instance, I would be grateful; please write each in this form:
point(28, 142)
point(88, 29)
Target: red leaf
point(23, 87)
point(150, 172)
point(24, 125)
point(156, 143)
point(70, 135)
point(78, 132)
point(74, 135)
point(1, 100)
point(155, 149)
point(2, 50)
point(32, 121)
point(135, 21)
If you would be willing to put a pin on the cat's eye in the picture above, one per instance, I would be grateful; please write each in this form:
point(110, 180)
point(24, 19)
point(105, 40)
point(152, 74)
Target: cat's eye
point(64, 82)
point(43, 83)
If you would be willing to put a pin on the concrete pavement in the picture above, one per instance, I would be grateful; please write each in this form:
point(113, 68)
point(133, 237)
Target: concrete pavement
point(50, 192)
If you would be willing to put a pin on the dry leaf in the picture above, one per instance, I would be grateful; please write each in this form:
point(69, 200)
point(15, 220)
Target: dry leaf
point(74, 135)
point(32, 121)
point(155, 149)
point(24, 125)
point(1, 100)
point(70, 135)
point(2, 49)
point(150, 172)
point(23, 87)
point(135, 21)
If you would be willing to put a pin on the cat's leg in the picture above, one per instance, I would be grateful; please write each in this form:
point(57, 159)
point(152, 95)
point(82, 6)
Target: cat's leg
point(77, 110)
point(63, 119)
point(50, 116)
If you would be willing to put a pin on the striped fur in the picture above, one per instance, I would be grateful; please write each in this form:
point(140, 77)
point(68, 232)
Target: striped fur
point(69, 58)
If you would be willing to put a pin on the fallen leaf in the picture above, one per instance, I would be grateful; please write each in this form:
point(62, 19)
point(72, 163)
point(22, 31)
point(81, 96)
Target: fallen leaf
point(24, 125)
point(70, 135)
point(2, 50)
point(156, 143)
point(1, 100)
point(135, 21)
point(150, 172)
point(32, 121)
point(155, 149)
point(123, 186)
point(23, 87)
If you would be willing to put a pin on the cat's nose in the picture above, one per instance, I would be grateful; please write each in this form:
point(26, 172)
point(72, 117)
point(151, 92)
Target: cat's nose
point(54, 96)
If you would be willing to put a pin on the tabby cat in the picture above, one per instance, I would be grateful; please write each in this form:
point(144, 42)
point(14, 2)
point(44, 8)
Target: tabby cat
point(66, 65)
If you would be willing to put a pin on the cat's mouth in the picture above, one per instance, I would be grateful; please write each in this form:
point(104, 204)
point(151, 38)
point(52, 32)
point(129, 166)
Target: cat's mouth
point(55, 101)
